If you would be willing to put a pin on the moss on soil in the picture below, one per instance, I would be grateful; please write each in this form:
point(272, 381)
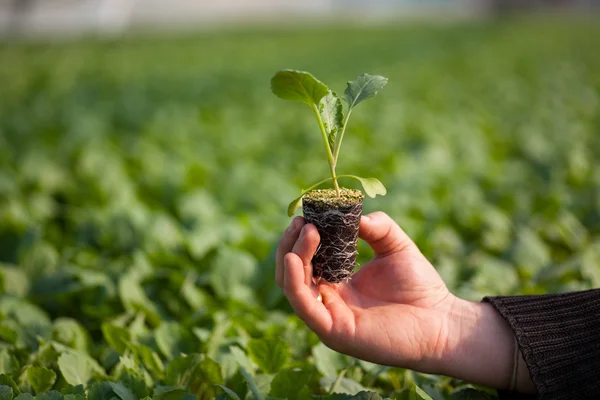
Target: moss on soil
point(329, 197)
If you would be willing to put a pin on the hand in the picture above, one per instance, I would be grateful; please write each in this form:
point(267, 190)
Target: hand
point(396, 310)
point(393, 311)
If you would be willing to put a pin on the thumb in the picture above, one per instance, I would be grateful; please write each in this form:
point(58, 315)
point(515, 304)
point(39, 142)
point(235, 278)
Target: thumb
point(383, 234)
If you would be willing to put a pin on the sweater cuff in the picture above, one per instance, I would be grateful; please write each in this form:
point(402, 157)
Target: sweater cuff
point(559, 337)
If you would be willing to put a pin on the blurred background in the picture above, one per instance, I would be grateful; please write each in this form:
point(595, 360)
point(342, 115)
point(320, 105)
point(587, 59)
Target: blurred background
point(41, 17)
point(145, 167)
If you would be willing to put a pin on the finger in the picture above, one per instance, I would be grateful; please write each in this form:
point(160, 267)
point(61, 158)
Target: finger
point(306, 247)
point(383, 234)
point(306, 306)
point(290, 236)
point(343, 318)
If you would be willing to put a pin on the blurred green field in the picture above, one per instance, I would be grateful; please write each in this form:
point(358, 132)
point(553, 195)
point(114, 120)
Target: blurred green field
point(144, 184)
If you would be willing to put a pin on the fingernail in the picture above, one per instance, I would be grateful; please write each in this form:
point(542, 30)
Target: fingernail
point(366, 218)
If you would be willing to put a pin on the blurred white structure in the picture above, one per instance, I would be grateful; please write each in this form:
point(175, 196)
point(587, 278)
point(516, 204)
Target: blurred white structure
point(43, 17)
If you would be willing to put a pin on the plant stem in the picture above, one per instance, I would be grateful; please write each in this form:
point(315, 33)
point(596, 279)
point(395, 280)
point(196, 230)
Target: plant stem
point(327, 149)
point(338, 144)
point(334, 177)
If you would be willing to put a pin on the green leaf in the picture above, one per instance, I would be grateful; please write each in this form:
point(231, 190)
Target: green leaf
point(290, 384)
point(41, 379)
point(172, 393)
point(297, 202)
point(8, 362)
point(232, 274)
point(332, 114)
point(208, 375)
point(229, 392)
point(24, 312)
point(298, 86)
point(372, 186)
point(6, 392)
point(365, 395)
point(135, 384)
point(180, 370)
point(252, 385)
point(329, 362)
point(96, 368)
point(70, 333)
point(70, 389)
point(122, 391)
point(149, 358)
point(531, 253)
point(421, 393)
point(24, 396)
point(270, 354)
point(590, 263)
point(362, 88)
point(242, 359)
point(344, 385)
point(51, 395)
point(14, 280)
point(173, 339)
point(75, 368)
point(74, 397)
point(9, 331)
point(8, 381)
point(116, 336)
point(100, 391)
point(132, 294)
point(199, 373)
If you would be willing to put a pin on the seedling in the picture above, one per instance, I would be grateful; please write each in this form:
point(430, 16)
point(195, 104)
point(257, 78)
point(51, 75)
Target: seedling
point(335, 212)
point(327, 107)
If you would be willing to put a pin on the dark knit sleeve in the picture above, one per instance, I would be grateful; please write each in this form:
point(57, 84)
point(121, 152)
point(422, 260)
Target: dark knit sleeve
point(559, 336)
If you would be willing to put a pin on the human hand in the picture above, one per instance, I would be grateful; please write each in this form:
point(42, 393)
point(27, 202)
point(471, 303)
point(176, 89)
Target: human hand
point(396, 310)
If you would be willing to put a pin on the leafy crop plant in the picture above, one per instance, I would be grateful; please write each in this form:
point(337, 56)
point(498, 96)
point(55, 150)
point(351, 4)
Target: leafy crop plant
point(335, 212)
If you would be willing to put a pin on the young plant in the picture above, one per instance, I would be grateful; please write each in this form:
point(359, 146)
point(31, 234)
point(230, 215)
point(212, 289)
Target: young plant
point(327, 107)
point(335, 212)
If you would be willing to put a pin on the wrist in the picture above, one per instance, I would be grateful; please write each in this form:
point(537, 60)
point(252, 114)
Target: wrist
point(479, 347)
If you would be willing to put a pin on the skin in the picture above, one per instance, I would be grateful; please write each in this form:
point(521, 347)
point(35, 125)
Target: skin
point(396, 310)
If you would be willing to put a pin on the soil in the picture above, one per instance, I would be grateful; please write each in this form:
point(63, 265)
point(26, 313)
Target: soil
point(337, 219)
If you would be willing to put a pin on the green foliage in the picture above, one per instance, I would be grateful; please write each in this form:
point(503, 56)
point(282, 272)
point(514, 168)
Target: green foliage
point(41, 379)
point(75, 368)
point(270, 354)
point(6, 392)
point(363, 87)
point(141, 201)
point(332, 114)
point(298, 86)
point(329, 362)
point(291, 384)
